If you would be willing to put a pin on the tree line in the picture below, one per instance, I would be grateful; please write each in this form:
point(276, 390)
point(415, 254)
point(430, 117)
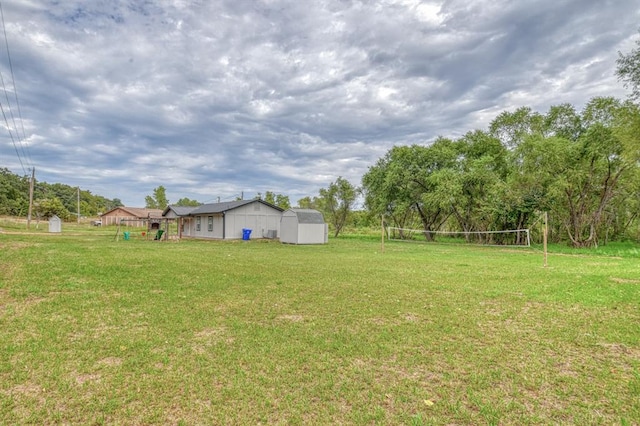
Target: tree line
point(49, 199)
point(581, 167)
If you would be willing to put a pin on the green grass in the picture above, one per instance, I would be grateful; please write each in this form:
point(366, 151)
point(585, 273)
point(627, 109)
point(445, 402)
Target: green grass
point(97, 331)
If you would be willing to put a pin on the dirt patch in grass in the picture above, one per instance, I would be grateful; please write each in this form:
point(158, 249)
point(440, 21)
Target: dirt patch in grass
point(84, 378)
point(26, 395)
point(619, 349)
point(624, 280)
point(16, 245)
point(8, 271)
point(111, 361)
point(210, 336)
point(210, 332)
point(4, 297)
point(291, 318)
point(19, 307)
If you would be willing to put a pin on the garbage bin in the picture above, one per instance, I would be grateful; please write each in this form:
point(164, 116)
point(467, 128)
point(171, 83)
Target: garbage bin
point(246, 234)
point(126, 235)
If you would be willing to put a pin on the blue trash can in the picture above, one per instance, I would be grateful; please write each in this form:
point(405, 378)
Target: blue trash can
point(126, 235)
point(246, 234)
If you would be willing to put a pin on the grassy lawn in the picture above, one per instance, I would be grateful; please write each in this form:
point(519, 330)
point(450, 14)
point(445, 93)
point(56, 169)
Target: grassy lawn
point(98, 331)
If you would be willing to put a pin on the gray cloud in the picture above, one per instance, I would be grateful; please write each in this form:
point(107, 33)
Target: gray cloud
point(211, 99)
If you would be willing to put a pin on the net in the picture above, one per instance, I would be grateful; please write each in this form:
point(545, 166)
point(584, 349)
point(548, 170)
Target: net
point(509, 238)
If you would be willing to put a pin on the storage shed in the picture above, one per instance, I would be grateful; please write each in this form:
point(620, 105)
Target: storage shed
point(55, 224)
point(303, 226)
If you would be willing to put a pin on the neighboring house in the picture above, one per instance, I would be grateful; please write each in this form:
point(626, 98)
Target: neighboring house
point(133, 216)
point(180, 214)
point(303, 226)
point(226, 221)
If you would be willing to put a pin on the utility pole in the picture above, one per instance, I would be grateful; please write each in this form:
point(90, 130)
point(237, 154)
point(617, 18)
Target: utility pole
point(544, 236)
point(31, 183)
point(78, 205)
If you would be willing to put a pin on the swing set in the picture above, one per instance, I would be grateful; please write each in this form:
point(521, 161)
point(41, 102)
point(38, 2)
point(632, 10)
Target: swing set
point(154, 227)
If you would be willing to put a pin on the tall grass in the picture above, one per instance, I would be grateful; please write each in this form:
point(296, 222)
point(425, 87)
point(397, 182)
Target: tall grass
point(98, 331)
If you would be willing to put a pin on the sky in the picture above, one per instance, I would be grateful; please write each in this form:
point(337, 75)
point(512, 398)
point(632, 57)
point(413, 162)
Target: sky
point(217, 99)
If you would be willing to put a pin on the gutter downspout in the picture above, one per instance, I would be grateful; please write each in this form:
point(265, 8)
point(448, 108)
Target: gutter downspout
point(224, 225)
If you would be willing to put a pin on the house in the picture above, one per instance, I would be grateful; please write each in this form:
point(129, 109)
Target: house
point(228, 220)
point(133, 216)
point(303, 226)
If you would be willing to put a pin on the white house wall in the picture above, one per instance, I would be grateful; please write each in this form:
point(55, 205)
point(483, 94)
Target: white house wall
point(234, 221)
point(255, 216)
point(204, 232)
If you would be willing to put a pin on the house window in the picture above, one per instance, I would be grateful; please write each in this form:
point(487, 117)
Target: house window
point(210, 223)
point(197, 223)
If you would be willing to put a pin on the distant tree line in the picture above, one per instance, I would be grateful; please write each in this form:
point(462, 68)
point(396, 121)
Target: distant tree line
point(582, 168)
point(49, 199)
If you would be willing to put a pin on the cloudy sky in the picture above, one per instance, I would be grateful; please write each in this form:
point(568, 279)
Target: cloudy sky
point(214, 98)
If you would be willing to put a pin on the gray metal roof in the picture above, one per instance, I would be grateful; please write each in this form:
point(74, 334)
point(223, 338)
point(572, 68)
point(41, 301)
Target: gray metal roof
point(308, 216)
point(224, 207)
point(178, 210)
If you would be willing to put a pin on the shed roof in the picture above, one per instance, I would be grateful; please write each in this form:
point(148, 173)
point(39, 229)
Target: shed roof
point(308, 216)
point(179, 210)
point(225, 207)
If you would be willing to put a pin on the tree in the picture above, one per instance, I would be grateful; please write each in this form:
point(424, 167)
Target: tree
point(279, 200)
point(158, 200)
point(383, 189)
point(185, 202)
point(483, 167)
point(628, 70)
point(577, 178)
point(46, 208)
point(563, 121)
point(337, 201)
point(512, 127)
point(14, 193)
point(308, 203)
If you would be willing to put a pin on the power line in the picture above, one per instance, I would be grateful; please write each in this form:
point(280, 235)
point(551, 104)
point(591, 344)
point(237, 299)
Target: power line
point(12, 139)
point(25, 153)
point(13, 80)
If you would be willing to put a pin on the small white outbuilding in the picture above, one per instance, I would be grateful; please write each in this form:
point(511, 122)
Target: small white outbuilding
point(303, 226)
point(55, 224)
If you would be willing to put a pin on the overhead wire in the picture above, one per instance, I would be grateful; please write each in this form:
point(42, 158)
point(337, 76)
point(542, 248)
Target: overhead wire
point(26, 155)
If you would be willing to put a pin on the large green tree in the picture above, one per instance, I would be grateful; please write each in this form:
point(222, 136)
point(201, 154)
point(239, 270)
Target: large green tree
point(337, 202)
point(158, 200)
point(414, 184)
